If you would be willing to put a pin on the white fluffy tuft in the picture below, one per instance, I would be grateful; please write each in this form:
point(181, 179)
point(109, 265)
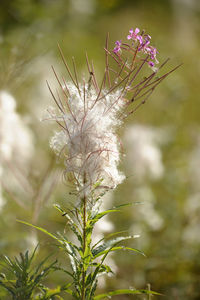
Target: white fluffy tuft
point(89, 139)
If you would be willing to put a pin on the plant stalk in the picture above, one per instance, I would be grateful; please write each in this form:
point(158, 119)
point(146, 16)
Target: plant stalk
point(84, 242)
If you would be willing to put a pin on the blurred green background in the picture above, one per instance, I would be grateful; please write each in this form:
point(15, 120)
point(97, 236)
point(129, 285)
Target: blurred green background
point(162, 140)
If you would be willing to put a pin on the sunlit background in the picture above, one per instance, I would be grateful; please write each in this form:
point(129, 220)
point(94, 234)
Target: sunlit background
point(161, 141)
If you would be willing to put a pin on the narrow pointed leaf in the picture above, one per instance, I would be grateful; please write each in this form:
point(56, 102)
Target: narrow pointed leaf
point(41, 229)
point(96, 251)
point(119, 248)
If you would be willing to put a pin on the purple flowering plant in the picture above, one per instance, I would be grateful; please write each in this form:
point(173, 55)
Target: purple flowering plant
point(139, 43)
point(88, 113)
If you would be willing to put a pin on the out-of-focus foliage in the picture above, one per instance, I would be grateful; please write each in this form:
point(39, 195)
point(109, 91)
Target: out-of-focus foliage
point(28, 279)
point(162, 162)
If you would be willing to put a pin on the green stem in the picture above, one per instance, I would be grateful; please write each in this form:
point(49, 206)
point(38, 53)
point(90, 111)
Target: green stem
point(149, 289)
point(84, 245)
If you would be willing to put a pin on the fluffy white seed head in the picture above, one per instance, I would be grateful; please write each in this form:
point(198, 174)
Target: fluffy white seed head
point(16, 145)
point(88, 138)
point(144, 153)
point(15, 138)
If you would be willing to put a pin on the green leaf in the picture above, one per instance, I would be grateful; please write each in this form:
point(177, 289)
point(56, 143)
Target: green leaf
point(101, 249)
point(63, 270)
point(41, 229)
point(108, 237)
point(122, 205)
point(125, 292)
point(72, 257)
point(103, 268)
point(98, 216)
point(112, 248)
point(42, 263)
point(71, 222)
point(63, 241)
point(119, 248)
point(27, 278)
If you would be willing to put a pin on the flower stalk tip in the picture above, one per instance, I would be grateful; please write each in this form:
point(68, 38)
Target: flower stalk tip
point(140, 43)
point(89, 113)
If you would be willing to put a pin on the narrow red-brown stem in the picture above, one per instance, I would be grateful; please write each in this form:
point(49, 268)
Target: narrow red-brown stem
point(54, 97)
point(134, 57)
point(94, 79)
point(67, 67)
point(101, 87)
point(107, 62)
point(76, 76)
point(114, 87)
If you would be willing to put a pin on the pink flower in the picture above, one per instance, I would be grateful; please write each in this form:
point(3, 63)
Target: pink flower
point(151, 51)
point(151, 64)
point(118, 46)
point(140, 43)
point(140, 39)
point(133, 34)
point(145, 42)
